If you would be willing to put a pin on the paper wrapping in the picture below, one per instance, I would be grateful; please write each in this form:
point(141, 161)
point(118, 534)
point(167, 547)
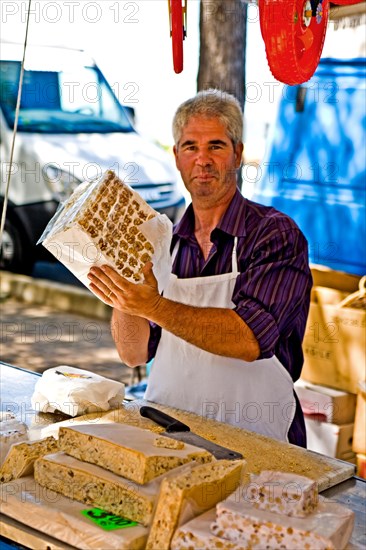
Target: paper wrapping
point(75, 391)
point(105, 222)
point(60, 517)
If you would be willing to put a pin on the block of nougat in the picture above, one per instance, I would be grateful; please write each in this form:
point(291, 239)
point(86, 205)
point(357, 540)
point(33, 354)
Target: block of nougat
point(112, 217)
point(11, 431)
point(330, 527)
point(284, 493)
point(66, 520)
point(125, 450)
point(189, 493)
point(168, 443)
point(96, 486)
point(196, 534)
point(103, 218)
point(21, 456)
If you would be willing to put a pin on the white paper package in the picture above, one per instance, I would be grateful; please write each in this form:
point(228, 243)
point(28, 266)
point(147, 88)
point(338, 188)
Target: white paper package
point(62, 518)
point(75, 391)
point(106, 222)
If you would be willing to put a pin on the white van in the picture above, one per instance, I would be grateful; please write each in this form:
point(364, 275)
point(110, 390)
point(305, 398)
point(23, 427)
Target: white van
point(71, 127)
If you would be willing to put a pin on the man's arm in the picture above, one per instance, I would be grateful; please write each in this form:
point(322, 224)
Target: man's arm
point(131, 336)
point(272, 293)
point(216, 330)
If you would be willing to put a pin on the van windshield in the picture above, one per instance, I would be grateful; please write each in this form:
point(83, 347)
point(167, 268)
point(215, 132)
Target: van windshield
point(72, 101)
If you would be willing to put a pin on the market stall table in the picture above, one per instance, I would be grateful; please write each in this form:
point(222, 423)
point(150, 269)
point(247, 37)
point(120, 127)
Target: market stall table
point(17, 386)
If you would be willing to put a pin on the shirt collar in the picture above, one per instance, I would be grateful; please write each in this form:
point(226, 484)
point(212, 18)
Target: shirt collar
point(185, 227)
point(233, 222)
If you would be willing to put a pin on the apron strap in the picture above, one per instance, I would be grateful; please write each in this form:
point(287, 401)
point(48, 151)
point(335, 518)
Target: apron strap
point(175, 251)
point(234, 260)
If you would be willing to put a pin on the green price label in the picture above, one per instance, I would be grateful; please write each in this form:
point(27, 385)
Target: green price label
point(107, 521)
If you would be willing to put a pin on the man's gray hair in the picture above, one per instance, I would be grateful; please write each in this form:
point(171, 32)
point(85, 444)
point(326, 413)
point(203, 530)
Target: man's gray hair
point(211, 104)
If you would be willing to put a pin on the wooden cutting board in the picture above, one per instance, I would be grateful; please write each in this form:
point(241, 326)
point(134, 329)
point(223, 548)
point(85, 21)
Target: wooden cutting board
point(260, 452)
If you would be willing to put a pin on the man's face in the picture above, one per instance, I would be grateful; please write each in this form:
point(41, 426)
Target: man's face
point(207, 160)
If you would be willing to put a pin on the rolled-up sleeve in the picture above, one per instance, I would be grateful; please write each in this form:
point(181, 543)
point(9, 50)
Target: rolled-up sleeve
point(272, 291)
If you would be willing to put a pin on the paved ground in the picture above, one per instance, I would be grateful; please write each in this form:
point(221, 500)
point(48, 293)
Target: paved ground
point(37, 337)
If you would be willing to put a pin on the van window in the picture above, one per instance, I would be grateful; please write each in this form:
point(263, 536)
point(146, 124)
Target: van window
point(61, 102)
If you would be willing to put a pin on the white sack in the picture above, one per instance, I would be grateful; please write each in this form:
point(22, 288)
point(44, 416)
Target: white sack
point(75, 392)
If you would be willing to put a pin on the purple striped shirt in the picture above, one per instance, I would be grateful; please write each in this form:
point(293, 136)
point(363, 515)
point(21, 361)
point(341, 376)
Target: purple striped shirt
point(272, 290)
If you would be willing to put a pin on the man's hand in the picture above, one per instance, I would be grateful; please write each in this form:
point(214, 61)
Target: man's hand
point(140, 300)
point(217, 330)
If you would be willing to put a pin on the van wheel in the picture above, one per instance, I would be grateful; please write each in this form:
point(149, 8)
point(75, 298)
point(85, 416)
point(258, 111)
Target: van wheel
point(14, 251)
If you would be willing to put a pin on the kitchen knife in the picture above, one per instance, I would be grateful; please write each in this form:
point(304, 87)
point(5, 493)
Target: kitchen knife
point(177, 430)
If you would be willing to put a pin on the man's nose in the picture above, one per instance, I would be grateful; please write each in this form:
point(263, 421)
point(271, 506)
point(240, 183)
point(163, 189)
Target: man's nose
point(203, 157)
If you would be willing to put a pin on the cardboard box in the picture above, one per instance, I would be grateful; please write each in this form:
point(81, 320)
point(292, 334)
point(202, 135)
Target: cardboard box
point(327, 404)
point(359, 434)
point(330, 439)
point(361, 465)
point(335, 337)
point(324, 276)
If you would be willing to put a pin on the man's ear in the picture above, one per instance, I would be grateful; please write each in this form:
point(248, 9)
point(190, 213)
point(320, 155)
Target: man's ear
point(239, 147)
point(175, 151)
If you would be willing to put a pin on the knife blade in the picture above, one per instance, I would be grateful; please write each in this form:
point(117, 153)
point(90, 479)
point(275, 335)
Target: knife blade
point(177, 430)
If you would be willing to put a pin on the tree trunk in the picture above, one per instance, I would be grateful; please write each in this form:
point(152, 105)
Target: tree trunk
point(222, 46)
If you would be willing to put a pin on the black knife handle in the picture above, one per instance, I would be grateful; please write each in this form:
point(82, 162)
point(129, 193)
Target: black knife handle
point(168, 422)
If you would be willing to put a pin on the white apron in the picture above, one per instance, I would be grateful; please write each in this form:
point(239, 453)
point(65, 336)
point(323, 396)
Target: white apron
point(256, 396)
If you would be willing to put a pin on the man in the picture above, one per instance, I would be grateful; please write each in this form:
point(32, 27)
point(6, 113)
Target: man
point(226, 334)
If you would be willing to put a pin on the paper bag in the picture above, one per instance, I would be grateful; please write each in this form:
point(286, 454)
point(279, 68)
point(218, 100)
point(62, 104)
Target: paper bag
point(75, 392)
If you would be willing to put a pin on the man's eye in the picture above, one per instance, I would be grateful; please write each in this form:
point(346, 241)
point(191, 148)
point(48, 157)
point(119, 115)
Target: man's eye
point(215, 147)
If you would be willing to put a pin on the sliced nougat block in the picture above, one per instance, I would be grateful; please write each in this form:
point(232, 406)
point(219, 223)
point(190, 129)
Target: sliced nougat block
point(11, 431)
point(125, 450)
point(187, 494)
point(24, 500)
point(110, 215)
point(284, 493)
point(94, 485)
point(330, 527)
point(196, 534)
point(168, 443)
point(21, 456)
